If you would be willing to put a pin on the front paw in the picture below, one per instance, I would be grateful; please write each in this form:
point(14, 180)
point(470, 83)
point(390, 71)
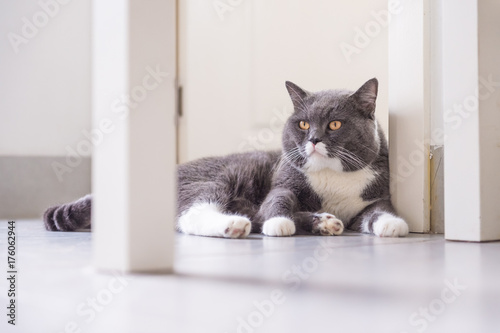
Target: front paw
point(278, 226)
point(388, 225)
point(237, 227)
point(327, 225)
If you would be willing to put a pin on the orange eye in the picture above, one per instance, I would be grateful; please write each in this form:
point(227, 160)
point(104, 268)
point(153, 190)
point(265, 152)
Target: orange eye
point(304, 125)
point(335, 125)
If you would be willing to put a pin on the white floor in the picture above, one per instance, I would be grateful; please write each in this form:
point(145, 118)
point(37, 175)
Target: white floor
point(349, 283)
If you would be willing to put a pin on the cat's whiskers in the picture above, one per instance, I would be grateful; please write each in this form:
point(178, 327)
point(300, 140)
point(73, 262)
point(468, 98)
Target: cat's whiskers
point(350, 159)
point(347, 151)
point(349, 163)
point(340, 157)
point(293, 156)
point(353, 156)
point(373, 151)
point(290, 157)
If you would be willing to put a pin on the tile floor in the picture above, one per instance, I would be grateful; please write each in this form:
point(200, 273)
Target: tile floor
point(349, 283)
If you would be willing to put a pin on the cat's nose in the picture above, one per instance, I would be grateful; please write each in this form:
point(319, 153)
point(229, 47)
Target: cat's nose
point(315, 140)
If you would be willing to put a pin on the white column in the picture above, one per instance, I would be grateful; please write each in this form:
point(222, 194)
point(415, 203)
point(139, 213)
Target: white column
point(409, 113)
point(471, 50)
point(134, 177)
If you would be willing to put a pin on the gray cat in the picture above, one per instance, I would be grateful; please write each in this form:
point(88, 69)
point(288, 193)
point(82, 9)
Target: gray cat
point(333, 170)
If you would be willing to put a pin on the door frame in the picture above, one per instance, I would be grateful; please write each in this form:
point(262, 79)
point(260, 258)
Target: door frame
point(133, 169)
point(460, 94)
point(409, 113)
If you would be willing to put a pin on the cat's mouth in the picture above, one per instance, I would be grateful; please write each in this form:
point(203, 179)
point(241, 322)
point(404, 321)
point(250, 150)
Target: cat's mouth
point(318, 149)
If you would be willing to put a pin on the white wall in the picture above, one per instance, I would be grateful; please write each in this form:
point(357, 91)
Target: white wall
point(45, 86)
point(234, 64)
point(44, 103)
point(237, 68)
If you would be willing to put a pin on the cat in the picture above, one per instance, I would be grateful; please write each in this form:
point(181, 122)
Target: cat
point(332, 173)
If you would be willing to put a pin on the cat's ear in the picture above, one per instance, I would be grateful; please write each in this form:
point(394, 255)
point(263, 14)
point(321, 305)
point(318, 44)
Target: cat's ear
point(297, 94)
point(365, 97)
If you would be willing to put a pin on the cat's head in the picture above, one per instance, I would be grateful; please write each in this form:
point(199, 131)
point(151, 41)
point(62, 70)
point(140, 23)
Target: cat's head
point(333, 129)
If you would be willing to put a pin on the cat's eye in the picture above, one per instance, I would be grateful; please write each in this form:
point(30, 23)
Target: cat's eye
point(335, 125)
point(304, 125)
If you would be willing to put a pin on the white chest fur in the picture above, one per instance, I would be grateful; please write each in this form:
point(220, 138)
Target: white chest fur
point(340, 191)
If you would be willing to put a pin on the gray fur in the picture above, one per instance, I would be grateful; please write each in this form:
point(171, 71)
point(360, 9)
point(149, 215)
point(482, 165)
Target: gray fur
point(262, 185)
point(70, 216)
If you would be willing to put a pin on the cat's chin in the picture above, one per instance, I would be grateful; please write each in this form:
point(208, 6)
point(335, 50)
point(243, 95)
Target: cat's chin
point(317, 162)
point(317, 154)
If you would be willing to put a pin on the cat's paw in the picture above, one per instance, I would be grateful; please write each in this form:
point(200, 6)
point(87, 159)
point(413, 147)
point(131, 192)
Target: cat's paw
point(237, 227)
point(327, 225)
point(388, 225)
point(278, 226)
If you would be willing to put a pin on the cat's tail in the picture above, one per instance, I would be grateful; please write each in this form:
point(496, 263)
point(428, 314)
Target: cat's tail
point(70, 216)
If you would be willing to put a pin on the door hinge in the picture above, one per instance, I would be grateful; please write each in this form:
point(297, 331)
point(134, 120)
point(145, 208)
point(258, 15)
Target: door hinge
point(179, 101)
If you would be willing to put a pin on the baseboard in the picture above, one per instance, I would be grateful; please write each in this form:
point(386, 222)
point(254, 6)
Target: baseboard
point(437, 190)
point(29, 184)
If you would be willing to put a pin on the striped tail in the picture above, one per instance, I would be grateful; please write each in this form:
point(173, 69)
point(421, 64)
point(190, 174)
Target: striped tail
point(70, 216)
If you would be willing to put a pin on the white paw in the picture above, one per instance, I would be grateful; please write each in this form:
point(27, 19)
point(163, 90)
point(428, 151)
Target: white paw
point(278, 226)
point(388, 225)
point(237, 227)
point(327, 225)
